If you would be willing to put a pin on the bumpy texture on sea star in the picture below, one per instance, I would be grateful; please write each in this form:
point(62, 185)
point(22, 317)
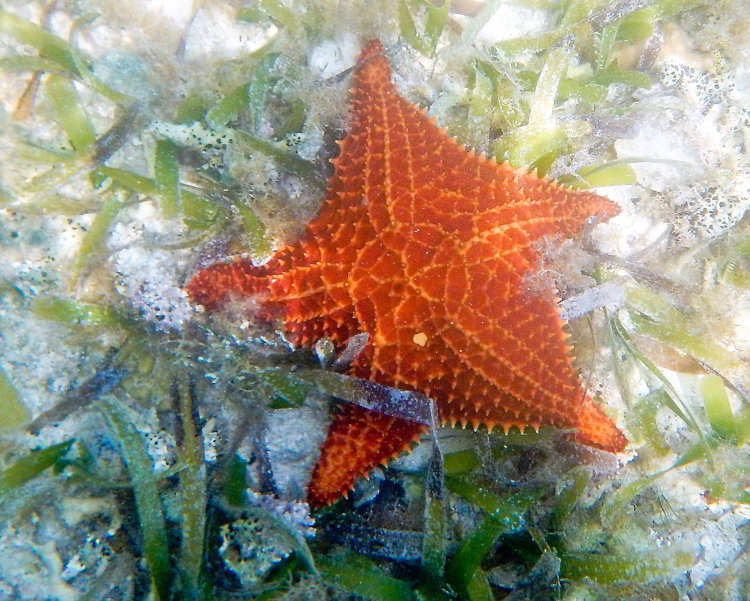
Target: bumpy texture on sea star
point(424, 245)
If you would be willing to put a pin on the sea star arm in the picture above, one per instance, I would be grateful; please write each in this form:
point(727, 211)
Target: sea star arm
point(358, 441)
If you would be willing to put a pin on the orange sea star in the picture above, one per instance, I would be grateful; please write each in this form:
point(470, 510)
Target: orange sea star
point(424, 245)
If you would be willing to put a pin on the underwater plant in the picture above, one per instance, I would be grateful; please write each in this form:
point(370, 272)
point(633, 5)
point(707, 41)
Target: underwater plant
point(151, 448)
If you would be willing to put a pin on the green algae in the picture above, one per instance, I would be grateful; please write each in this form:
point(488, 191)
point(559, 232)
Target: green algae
point(49, 46)
point(193, 495)
point(611, 569)
point(481, 110)
point(167, 178)
point(15, 413)
point(228, 107)
point(29, 467)
point(200, 213)
point(718, 409)
point(437, 15)
point(93, 246)
point(284, 387)
point(82, 63)
point(613, 74)
point(503, 515)
point(612, 173)
point(435, 529)
point(569, 491)
point(70, 115)
point(541, 135)
point(236, 481)
point(75, 312)
point(356, 576)
point(644, 424)
point(719, 478)
point(461, 461)
point(672, 398)
point(147, 499)
point(255, 231)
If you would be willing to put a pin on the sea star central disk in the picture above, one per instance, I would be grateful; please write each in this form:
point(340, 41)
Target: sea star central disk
point(424, 245)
